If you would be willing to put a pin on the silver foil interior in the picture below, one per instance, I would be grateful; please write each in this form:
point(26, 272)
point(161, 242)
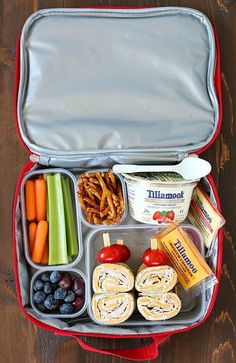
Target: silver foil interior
point(117, 81)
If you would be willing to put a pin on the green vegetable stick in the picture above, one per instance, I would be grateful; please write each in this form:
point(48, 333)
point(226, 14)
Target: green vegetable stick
point(57, 228)
point(71, 237)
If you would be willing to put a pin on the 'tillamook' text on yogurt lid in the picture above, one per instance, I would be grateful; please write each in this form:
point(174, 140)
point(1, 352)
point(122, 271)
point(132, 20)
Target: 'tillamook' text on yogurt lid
point(159, 197)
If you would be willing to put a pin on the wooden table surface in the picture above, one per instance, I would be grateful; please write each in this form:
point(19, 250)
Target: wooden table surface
point(214, 341)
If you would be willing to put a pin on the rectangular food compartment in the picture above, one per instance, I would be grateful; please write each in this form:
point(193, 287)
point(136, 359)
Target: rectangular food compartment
point(137, 238)
point(32, 175)
point(124, 194)
point(73, 272)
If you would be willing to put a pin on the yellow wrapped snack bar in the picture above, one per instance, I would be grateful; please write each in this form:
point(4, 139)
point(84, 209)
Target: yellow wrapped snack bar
point(191, 268)
point(205, 216)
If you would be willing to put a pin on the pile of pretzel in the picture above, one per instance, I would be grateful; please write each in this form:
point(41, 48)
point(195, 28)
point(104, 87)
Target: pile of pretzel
point(100, 196)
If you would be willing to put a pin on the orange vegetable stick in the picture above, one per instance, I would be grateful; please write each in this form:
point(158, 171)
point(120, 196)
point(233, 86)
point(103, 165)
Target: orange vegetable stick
point(45, 254)
point(30, 207)
point(41, 199)
point(40, 241)
point(32, 232)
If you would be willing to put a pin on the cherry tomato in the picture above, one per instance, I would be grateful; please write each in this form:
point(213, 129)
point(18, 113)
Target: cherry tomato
point(154, 258)
point(109, 254)
point(124, 251)
point(156, 215)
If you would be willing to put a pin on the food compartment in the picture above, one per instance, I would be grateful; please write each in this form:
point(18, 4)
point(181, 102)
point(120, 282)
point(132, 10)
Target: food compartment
point(48, 291)
point(71, 261)
point(137, 239)
point(107, 197)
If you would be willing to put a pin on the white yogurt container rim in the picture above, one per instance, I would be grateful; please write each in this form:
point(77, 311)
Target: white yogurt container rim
point(152, 178)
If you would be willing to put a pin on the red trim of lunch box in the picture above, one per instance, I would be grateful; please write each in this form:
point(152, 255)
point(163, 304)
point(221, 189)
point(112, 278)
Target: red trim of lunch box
point(217, 81)
point(76, 334)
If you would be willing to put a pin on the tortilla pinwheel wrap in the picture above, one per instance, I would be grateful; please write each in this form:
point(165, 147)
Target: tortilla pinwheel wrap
point(156, 279)
point(112, 278)
point(113, 308)
point(159, 306)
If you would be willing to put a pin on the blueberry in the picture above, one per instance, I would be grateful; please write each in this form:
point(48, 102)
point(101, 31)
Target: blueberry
point(47, 288)
point(45, 277)
point(70, 296)
point(54, 286)
point(50, 303)
point(38, 285)
point(39, 297)
point(66, 309)
point(55, 276)
point(41, 308)
point(60, 293)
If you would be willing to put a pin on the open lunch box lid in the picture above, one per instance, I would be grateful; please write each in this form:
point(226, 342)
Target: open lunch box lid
point(130, 85)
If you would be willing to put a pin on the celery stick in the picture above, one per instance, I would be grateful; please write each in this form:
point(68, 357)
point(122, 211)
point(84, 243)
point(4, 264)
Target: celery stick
point(57, 228)
point(71, 237)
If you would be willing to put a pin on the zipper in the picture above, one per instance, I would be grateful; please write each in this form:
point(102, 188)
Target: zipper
point(39, 159)
point(91, 161)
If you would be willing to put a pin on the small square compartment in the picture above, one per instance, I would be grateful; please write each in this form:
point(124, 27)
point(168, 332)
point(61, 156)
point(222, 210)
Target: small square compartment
point(32, 175)
point(74, 272)
point(124, 193)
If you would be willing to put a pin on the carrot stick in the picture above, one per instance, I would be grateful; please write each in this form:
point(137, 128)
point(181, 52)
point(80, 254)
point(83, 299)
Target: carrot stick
point(41, 199)
point(45, 254)
point(40, 241)
point(30, 206)
point(32, 232)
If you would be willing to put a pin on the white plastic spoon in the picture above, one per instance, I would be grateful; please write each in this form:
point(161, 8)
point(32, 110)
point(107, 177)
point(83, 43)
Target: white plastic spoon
point(190, 168)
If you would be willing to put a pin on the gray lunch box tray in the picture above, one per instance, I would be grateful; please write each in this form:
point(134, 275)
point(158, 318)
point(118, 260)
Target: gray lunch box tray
point(137, 238)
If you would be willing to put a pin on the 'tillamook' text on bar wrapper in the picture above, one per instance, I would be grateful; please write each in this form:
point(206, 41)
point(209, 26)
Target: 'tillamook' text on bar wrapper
point(194, 274)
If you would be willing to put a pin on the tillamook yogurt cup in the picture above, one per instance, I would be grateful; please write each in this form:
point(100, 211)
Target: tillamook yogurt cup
point(156, 198)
